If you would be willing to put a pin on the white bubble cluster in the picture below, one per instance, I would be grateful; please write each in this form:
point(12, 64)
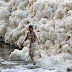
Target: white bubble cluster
point(52, 20)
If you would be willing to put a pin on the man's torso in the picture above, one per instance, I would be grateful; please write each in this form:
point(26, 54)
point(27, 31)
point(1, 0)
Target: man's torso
point(31, 36)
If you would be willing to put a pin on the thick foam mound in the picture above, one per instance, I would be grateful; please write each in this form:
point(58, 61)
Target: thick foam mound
point(52, 20)
point(20, 55)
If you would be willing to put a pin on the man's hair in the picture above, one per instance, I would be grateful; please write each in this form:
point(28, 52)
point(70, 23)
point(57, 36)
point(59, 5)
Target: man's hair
point(31, 25)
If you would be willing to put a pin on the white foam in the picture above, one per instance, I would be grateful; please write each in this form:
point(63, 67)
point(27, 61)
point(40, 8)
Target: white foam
point(52, 20)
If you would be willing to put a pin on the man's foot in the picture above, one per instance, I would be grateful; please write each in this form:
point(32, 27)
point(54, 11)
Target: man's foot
point(33, 63)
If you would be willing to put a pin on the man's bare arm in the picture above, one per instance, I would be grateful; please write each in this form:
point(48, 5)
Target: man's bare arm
point(25, 38)
point(35, 35)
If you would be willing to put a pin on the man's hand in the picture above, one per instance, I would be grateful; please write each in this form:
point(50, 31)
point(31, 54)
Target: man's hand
point(22, 45)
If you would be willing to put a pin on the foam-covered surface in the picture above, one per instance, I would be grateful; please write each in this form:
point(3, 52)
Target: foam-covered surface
point(52, 20)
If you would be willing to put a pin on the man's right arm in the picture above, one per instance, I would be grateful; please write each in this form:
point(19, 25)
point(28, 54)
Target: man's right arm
point(25, 38)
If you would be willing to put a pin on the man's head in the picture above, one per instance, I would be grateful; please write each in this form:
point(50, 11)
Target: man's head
point(30, 27)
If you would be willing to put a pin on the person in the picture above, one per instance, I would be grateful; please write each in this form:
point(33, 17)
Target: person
point(32, 37)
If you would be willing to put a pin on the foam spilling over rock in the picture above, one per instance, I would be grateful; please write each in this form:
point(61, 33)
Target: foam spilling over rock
point(52, 20)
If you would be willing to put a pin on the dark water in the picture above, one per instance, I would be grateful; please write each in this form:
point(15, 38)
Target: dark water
point(12, 66)
point(5, 50)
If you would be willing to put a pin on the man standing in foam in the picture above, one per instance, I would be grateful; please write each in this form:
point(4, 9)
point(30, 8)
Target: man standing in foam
point(32, 37)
